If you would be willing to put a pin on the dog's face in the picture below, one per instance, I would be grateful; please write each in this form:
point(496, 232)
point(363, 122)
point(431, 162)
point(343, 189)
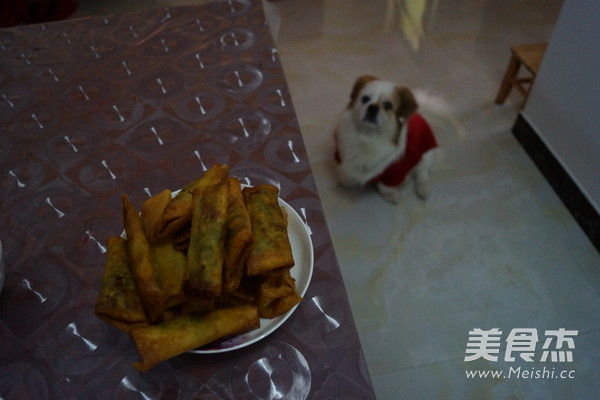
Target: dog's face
point(380, 106)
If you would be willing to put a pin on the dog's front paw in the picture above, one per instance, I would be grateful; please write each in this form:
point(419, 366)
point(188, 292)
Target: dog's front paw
point(389, 193)
point(422, 189)
point(346, 179)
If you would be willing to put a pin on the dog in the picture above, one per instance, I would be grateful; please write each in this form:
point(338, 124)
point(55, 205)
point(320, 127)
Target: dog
point(381, 139)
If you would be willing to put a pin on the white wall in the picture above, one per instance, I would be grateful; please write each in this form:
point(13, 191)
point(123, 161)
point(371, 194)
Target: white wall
point(564, 104)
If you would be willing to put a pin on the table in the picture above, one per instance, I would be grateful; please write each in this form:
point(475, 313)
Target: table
point(95, 107)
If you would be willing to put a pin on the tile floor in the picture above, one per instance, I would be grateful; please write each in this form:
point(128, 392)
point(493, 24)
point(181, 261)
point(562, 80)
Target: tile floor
point(493, 247)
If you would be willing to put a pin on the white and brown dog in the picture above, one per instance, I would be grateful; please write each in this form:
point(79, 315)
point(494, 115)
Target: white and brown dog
point(381, 139)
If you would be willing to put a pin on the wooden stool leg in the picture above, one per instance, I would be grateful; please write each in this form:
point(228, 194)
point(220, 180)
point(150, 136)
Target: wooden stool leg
point(511, 72)
point(526, 96)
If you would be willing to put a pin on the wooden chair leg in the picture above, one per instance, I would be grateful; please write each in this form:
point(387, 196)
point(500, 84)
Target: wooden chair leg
point(507, 82)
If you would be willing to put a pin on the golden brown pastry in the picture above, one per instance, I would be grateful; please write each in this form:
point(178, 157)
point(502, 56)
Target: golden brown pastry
point(157, 343)
point(178, 213)
point(142, 263)
point(152, 211)
point(118, 302)
point(199, 267)
point(277, 294)
point(238, 239)
point(271, 249)
point(171, 263)
point(206, 251)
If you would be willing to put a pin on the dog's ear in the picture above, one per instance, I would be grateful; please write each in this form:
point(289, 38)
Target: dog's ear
point(360, 82)
point(407, 104)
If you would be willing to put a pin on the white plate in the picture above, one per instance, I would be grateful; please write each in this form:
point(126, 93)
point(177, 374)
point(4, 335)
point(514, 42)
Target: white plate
point(302, 251)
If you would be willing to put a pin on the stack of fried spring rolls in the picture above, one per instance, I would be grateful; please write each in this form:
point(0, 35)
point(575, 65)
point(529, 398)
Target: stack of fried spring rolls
point(271, 255)
point(225, 229)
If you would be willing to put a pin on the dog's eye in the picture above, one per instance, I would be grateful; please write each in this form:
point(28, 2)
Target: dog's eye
point(387, 105)
point(365, 99)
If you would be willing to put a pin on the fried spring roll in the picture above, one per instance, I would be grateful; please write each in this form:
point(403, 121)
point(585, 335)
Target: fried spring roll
point(118, 302)
point(245, 293)
point(156, 343)
point(277, 294)
point(238, 238)
point(171, 264)
point(172, 267)
point(181, 239)
point(142, 263)
point(152, 211)
point(271, 247)
point(178, 213)
point(206, 252)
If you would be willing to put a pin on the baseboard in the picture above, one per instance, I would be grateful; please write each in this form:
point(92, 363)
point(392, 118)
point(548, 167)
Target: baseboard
point(572, 197)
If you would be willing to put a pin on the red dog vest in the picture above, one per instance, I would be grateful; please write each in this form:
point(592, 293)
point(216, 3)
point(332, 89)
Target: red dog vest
point(419, 140)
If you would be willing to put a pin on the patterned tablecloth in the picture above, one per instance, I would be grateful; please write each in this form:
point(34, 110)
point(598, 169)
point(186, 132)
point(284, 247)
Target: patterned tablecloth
point(95, 107)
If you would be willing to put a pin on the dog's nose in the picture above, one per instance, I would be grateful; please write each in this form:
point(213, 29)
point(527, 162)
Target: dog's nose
point(371, 114)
